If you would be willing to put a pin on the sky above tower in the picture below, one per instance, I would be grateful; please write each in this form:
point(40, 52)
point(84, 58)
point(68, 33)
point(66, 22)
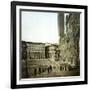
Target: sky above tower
point(39, 27)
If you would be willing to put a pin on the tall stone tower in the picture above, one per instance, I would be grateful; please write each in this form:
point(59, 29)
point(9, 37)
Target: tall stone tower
point(61, 25)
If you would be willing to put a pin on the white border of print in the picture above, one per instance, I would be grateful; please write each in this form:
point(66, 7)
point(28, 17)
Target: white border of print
point(51, 79)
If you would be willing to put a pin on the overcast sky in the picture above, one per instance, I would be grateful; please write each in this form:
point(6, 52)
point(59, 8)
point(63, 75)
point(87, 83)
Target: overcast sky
point(39, 27)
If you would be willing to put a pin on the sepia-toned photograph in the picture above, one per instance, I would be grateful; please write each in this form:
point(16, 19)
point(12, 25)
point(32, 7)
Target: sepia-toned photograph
point(50, 44)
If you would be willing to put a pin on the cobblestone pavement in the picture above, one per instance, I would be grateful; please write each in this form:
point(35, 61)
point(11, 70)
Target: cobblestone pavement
point(57, 74)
